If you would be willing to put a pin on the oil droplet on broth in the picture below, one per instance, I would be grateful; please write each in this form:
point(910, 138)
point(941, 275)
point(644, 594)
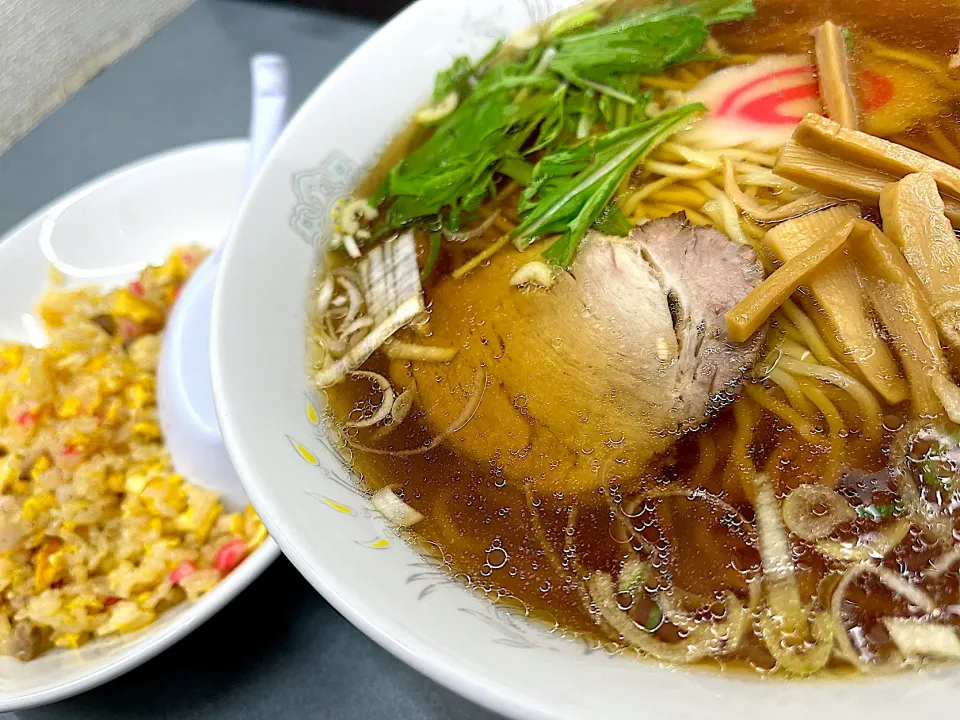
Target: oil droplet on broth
point(892, 423)
point(497, 557)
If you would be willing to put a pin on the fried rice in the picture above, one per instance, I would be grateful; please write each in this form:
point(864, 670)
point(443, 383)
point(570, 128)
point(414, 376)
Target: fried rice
point(98, 533)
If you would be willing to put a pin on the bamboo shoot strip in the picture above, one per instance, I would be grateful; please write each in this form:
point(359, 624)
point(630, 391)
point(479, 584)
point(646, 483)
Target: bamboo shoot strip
point(841, 179)
point(913, 217)
point(897, 296)
point(816, 132)
point(747, 316)
point(842, 304)
point(833, 74)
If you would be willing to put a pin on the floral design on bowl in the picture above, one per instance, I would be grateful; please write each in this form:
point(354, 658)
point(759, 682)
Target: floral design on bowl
point(317, 190)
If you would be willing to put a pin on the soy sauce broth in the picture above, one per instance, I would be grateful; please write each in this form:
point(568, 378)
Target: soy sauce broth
point(480, 519)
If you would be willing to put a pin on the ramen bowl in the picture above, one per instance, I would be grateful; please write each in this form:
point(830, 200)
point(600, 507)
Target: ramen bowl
point(272, 423)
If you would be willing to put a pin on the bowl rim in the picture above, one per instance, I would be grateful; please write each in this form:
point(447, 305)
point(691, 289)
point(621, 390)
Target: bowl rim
point(152, 643)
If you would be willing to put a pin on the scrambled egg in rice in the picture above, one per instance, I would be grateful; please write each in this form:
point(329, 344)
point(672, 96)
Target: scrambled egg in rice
point(98, 534)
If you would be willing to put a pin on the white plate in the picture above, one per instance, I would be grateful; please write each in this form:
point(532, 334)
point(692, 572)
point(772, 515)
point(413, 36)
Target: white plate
point(103, 233)
point(309, 502)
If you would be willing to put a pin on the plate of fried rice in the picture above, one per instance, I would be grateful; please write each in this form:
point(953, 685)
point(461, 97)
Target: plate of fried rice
point(107, 554)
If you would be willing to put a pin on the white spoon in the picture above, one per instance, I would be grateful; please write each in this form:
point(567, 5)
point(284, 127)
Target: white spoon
point(184, 394)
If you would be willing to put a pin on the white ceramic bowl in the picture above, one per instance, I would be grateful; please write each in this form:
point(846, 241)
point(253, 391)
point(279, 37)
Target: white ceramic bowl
point(104, 233)
point(309, 501)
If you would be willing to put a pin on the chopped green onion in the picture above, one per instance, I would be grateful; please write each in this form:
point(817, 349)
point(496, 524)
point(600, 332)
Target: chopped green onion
point(933, 464)
point(632, 575)
point(880, 511)
point(631, 581)
point(654, 619)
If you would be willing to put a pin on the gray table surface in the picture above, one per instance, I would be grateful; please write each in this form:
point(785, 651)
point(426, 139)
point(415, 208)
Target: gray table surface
point(279, 650)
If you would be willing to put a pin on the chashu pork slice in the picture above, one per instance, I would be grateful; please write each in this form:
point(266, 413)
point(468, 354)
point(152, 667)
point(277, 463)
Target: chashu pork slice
point(621, 355)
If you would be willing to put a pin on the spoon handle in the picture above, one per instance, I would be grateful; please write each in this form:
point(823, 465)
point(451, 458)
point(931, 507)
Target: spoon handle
point(270, 80)
point(269, 85)
point(184, 391)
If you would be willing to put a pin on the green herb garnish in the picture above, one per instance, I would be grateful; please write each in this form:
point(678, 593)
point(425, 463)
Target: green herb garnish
point(644, 43)
point(572, 187)
point(433, 254)
point(612, 221)
point(516, 169)
point(641, 47)
point(462, 73)
point(454, 171)
point(569, 21)
point(523, 119)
